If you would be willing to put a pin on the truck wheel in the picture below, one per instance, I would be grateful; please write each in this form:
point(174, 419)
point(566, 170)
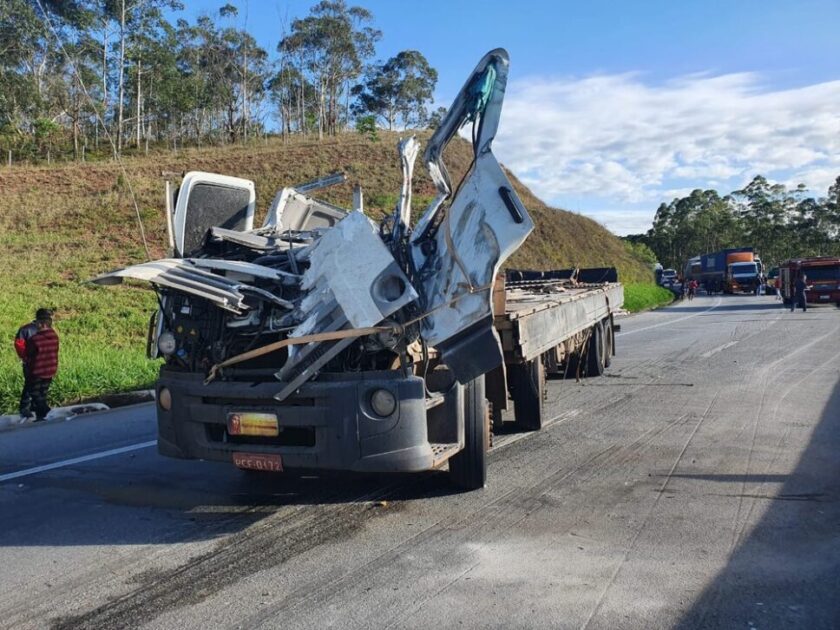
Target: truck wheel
point(527, 384)
point(609, 346)
point(595, 356)
point(468, 469)
point(572, 368)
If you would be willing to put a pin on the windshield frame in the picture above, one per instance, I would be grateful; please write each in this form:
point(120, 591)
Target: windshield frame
point(743, 271)
point(813, 273)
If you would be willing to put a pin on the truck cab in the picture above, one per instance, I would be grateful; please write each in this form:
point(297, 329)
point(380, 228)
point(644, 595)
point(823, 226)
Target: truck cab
point(742, 276)
point(822, 275)
point(325, 340)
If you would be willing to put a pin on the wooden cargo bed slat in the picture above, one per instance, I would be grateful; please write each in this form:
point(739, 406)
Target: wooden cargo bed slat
point(536, 322)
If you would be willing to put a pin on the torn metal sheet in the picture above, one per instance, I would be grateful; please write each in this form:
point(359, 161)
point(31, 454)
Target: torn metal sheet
point(269, 241)
point(353, 281)
point(470, 239)
point(358, 199)
point(322, 182)
point(246, 269)
point(183, 276)
point(408, 150)
point(293, 211)
point(351, 264)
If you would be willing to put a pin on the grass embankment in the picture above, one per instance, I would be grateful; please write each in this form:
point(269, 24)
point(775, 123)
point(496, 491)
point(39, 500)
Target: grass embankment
point(62, 225)
point(640, 296)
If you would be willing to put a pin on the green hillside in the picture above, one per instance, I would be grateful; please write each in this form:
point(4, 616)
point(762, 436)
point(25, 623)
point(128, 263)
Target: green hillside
point(61, 225)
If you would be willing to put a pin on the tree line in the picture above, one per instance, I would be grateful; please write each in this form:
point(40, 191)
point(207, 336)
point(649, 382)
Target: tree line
point(79, 77)
point(779, 222)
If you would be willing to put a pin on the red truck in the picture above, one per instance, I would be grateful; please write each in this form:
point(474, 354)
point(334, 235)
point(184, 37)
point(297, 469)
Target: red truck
point(822, 276)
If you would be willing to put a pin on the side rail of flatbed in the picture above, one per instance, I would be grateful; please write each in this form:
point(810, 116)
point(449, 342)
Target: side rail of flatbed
point(552, 326)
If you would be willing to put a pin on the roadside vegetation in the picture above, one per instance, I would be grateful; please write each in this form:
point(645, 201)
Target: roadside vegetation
point(779, 222)
point(645, 296)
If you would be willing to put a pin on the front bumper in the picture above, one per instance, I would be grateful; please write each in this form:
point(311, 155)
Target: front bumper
point(326, 425)
point(823, 297)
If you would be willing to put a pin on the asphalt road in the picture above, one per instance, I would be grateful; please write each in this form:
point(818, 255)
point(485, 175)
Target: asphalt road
point(695, 486)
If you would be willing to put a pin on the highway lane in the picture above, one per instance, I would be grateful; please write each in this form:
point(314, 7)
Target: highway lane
point(695, 486)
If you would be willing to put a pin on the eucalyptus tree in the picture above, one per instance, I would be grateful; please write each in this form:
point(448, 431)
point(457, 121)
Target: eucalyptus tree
point(334, 41)
point(398, 90)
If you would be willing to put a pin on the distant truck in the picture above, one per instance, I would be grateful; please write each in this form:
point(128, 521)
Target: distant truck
point(668, 277)
point(728, 271)
point(822, 276)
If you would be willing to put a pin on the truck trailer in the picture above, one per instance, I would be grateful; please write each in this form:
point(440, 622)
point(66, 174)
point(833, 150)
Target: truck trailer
point(728, 271)
point(325, 340)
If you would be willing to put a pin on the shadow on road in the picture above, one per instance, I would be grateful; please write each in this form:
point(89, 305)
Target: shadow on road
point(730, 478)
point(160, 501)
point(786, 572)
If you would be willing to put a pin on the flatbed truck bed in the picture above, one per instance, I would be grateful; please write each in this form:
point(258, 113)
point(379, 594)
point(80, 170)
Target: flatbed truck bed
point(549, 327)
point(534, 323)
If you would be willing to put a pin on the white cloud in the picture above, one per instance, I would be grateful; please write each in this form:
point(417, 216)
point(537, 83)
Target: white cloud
point(622, 221)
point(623, 141)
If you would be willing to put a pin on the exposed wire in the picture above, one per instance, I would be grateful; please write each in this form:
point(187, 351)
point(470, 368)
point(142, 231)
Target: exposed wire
point(108, 135)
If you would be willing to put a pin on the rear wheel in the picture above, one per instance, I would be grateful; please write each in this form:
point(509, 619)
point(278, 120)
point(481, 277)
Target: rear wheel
point(468, 469)
point(527, 384)
point(595, 355)
point(609, 338)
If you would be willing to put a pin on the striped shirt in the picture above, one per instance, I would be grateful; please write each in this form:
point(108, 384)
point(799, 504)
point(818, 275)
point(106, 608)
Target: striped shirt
point(43, 353)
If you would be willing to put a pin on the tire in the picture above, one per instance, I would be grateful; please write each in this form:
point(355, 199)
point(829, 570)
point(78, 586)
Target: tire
point(527, 384)
point(609, 336)
point(468, 468)
point(595, 355)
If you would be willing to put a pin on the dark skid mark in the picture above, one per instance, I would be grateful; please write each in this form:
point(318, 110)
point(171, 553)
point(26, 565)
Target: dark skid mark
point(267, 544)
point(815, 497)
point(640, 384)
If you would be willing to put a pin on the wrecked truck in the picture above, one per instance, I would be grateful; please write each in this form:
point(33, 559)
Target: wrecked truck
point(325, 340)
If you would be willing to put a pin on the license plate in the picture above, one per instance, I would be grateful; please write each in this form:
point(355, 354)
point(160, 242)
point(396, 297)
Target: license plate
point(258, 461)
point(252, 423)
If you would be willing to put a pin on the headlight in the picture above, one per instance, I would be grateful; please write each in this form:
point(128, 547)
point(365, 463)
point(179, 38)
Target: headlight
point(166, 343)
point(383, 403)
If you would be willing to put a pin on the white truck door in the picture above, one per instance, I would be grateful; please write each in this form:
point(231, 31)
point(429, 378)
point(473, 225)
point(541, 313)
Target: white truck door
point(207, 200)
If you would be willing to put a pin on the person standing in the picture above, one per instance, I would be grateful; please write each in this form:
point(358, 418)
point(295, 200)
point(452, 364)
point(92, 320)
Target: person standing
point(37, 345)
point(799, 287)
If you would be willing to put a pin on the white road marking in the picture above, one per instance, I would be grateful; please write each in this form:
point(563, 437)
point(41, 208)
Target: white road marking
point(76, 460)
point(729, 344)
point(672, 321)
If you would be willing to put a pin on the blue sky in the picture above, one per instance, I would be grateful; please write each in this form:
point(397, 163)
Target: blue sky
point(613, 107)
